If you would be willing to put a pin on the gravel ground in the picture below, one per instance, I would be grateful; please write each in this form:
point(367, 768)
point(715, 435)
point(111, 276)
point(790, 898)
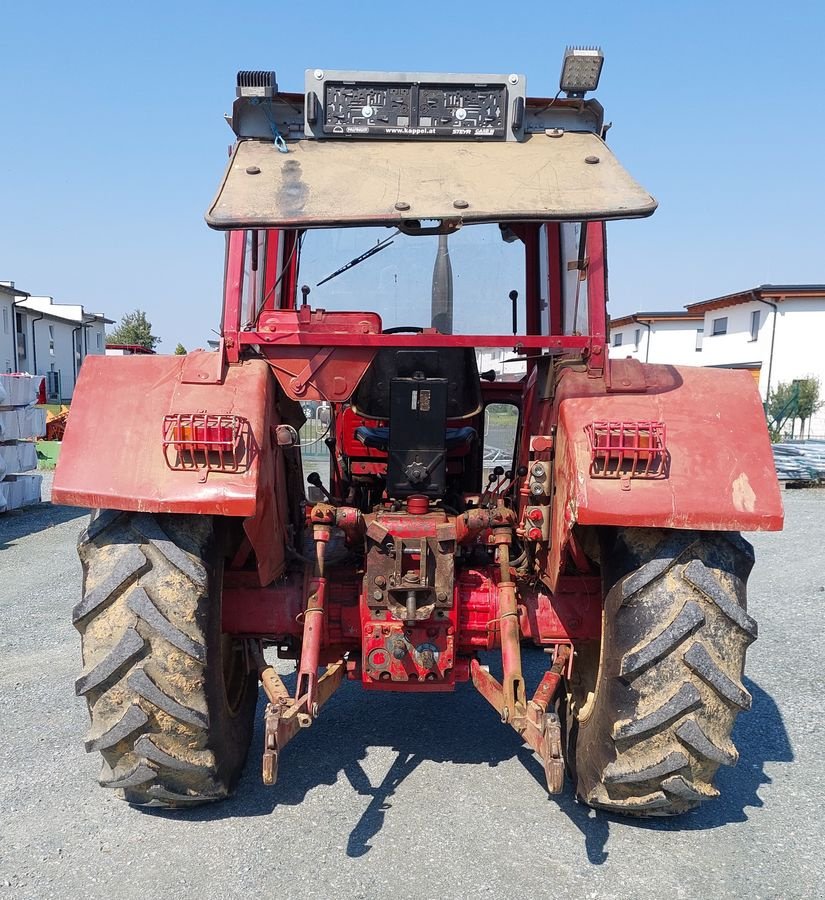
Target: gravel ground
point(403, 796)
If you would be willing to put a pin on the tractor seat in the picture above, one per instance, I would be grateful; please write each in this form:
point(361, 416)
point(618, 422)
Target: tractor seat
point(379, 438)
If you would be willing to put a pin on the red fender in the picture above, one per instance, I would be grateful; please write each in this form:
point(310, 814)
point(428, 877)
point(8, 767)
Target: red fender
point(720, 472)
point(113, 455)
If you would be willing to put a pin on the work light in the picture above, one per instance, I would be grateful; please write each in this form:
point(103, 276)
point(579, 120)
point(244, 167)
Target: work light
point(581, 70)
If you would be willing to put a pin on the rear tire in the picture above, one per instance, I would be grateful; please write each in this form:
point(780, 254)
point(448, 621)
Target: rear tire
point(171, 699)
point(651, 716)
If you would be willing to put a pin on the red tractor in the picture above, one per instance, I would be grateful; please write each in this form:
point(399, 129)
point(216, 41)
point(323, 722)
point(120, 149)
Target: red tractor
point(591, 506)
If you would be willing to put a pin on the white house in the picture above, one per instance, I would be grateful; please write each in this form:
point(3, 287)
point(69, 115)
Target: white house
point(42, 337)
point(775, 331)
point(656, 337)
point(506, 363)
point(9, 297)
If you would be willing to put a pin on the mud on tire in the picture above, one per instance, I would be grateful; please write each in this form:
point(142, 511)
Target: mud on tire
point(171, 700)
point(651, 722)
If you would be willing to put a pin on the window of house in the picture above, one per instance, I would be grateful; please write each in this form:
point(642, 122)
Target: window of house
point(637, 336)
point(5, 320)
point(700, 333)
point(22, 348)
point(720, 326)
point(755, 324)
point(617, 339)
point(51, 340)
point(99, 341)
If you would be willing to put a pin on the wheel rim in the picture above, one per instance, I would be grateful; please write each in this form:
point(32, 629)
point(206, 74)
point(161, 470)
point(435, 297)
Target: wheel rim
point(233, 664)
point(583, 692)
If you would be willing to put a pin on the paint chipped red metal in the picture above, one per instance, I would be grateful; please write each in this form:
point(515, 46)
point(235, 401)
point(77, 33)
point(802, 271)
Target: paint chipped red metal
point(112, 452)
point(721, 474)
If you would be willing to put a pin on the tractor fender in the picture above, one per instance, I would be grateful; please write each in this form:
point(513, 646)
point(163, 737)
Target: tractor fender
point(113, 454)
point(719, 473)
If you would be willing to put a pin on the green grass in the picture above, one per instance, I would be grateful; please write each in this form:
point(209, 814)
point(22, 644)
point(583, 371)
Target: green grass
point(47, 454)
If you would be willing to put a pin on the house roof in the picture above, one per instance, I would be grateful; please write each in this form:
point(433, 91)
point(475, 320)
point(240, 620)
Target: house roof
point(647, 317)
point(762, 292)
point(132, 348)
point(757, 364)
point(63, 312)
point(697, 310)
point(12, 291)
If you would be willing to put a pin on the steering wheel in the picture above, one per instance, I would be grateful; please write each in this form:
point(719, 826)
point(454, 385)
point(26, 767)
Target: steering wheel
point(399, 329)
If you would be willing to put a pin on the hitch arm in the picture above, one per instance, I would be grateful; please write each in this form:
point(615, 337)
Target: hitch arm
point(510, 629)
point(285, 717)
point(538, 728)
point(314, 621)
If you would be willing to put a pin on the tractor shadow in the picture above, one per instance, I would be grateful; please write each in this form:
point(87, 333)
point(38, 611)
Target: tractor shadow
point(759, 735)
point(461, 729)
point(18, 523)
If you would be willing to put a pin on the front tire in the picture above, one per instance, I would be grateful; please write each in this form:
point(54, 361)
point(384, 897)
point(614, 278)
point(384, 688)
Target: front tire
point(171, 699)
point(651, 715)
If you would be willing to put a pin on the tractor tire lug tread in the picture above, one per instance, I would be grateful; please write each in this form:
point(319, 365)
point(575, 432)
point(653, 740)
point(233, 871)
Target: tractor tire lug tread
point(156, 682)
point(143, 685)
point(700, 661)
point(104, 519)
point(697, 574)
point(147, 526)
point(671, 763)
point(655, 722)
point(129, 563)
point(160, 796)
point(680, 788)
point(691, 735)
point(130, 721)
point(689, 619)
point(128, 647)
point(142, 606)
point(137, 776)
point(656, 800)
point(667, 555)
point(686, 699)
point(149, 751)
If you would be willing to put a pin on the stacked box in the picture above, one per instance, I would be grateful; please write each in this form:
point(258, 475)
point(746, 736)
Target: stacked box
point(19, 490)
point(17, 457)
point(20, 424)
point(19, 390)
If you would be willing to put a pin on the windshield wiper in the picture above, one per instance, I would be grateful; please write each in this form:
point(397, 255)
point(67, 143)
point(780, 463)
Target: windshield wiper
point(381, 245)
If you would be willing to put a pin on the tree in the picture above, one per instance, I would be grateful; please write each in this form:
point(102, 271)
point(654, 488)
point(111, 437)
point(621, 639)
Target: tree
point(781, 407)
point(797, 399)
point(809, 401)
point(180, 350)
point(134, 328)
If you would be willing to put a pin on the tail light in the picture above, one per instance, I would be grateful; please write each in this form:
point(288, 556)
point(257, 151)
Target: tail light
point(203, 441)
point(627, 450)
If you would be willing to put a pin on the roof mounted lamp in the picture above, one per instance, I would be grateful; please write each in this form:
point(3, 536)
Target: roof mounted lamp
point(260, 84)
point(581, 70)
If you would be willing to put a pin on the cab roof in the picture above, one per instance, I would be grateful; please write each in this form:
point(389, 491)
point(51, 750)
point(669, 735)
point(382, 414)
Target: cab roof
point(557, 175)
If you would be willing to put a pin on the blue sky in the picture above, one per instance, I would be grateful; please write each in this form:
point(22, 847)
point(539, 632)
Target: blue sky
point(114, 141)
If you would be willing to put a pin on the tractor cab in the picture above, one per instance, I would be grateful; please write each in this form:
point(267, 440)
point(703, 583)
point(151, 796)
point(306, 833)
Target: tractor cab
point(464, 218)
